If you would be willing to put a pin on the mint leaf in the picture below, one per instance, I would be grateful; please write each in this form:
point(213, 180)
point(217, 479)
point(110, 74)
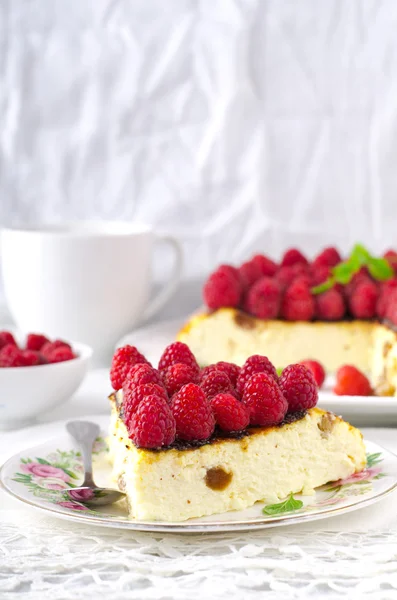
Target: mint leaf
point(323, 287)
point(343, 272)
point(279, 371)
point(380, 269)
point(289, 505)
point(359, 256)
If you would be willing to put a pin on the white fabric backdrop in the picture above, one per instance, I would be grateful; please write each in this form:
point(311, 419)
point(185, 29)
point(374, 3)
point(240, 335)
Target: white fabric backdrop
point(235, 124)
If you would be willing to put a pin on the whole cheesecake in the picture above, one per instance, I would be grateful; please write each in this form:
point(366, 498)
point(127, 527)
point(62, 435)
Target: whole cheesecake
point(232, 335)
point(234, 471)
point(338, 312)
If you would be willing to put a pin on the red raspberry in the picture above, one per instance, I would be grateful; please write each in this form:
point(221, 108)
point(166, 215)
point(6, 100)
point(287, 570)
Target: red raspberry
point(143, 373)
point(387, 291)
point(134, 394)
point(299, 388)
point(30, 358)
point(249, 272)
point(215, 383)
point(361, 276)
point(11, 356)
point(298, 303)
point(391, 257)
point(266, 266)
point(231, 370)
point(329, 257)
point(351, 382)
point(330, 305)
point(230, 413)
point(6, 338)
point(320, 274)
point(292, 257)
point(391, 308)
point(153, 424)
point(123, 360)
point(222, 288)
point(48, 348)
point(60, 354)
point(178, 352)
point(178, 375)
point(35, 341)
point(285, 276)
point(264, 400)
point(193, 413)
point(362, 302)
point(316, 369)
point(254, 364)
point(264, 298)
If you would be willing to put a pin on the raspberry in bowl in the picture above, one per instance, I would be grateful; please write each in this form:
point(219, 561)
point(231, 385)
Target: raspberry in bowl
point(37, 374)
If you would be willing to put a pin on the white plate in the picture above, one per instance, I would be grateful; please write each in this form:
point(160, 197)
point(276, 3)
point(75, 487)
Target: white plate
point(41, 475)
point(360, 410)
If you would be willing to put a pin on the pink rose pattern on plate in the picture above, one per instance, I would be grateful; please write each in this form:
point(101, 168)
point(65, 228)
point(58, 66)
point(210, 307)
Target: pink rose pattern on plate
point(54, 477)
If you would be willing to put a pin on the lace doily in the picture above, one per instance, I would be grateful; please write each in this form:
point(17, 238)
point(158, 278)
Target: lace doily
point(67, 563)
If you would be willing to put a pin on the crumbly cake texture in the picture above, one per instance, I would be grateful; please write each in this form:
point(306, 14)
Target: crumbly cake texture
point(233, 473)
point(232, 335)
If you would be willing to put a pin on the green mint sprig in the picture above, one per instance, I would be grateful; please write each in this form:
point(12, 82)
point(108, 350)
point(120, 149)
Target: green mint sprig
point(288, 505)
point(378, 268)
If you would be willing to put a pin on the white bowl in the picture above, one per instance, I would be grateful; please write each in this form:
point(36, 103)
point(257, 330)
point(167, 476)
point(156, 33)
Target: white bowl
point(27, 392)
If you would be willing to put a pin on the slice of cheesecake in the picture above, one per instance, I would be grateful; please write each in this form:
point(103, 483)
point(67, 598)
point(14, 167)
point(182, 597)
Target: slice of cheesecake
point(228, 473)
point(232, 335)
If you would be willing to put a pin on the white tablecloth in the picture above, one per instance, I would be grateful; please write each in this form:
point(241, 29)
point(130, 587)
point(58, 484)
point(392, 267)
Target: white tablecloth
point(352, 556)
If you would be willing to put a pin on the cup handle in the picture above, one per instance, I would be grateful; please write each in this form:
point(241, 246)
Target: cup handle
point(169, 288)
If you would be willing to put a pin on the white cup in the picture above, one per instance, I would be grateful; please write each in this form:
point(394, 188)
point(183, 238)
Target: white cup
point(83, 281)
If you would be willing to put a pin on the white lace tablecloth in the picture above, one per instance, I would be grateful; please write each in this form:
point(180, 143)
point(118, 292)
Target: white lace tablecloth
point(351, 556)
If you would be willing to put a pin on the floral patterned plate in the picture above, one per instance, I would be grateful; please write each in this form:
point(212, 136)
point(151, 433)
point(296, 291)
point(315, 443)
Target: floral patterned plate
point(44, 477)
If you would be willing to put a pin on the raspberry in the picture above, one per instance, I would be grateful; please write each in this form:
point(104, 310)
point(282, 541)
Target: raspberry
point(330, 305)
point(193, 413)
point(391, 308)
point(178, 375)
point(143, 373)
point(152, 425)
point(30, 358)
point(285, 276)
point(351, 382)
point(298, 303)
point(264, 298)
point(11, 356)
point(292, 257)
point(264, 400)
point(222, 288)
point(123, 360)
point(391, 257)
point(215, 383)
point(35, 341)
point(361, 276)
point(316, 369)
point(249, 272)
point(48, 348)
point(320, 274)
point(362, 302)
point(329, 257)
point(134, 394)
point(178, 352)
point(387, 291)
point(6, 338)
point(299, 388)
point(266, 266)
point(230, 413)
point(60, 354)
point(231, 370)
point(254, 364)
